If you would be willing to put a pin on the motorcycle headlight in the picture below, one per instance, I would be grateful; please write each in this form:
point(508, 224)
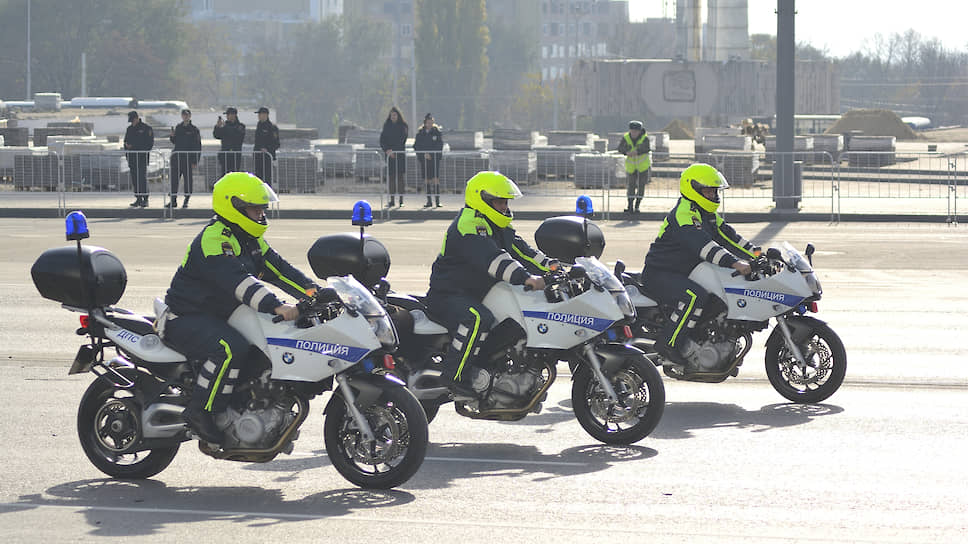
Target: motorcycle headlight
point(385, 332)
point(625, 303)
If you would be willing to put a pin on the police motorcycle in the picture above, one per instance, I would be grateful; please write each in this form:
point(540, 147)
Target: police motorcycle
point(805, 359)
point(580, 317)
point(130, 418)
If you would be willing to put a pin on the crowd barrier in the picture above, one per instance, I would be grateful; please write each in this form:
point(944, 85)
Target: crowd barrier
point(853, 182)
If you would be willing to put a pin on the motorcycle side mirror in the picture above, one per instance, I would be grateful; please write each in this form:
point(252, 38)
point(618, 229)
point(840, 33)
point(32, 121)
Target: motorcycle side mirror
point(809, 253)
point(381, 288)
point(619, 268)
point(773, 254)
point(577, 271)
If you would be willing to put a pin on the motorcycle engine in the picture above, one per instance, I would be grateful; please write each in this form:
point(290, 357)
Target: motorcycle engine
point(255, 428)
point(710, 356)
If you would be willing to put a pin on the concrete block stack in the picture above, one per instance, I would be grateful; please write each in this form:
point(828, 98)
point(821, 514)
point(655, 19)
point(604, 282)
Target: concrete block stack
point(872, 151)
point(802, 149)
point(521, 166)
point(463, 140)
point(456, 167)
point(702, 145)
point(47, 102)
point(370, 163)
point(827, 148)
point(739, 167)
point(296, 172)
point(571, 137)
point(516, 139)
point(7, 155)
point(42, 133)
point(35, 170)
point(87, 127)
point(713, 145)
point(596, 171)
point(659, 142)
point(368, 137)
point(600, 145)
point(558, 161)
point(15, 136)
point(338, 160)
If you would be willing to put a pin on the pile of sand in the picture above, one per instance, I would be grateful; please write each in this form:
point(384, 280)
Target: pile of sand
point(873, 123)
point(678, 130)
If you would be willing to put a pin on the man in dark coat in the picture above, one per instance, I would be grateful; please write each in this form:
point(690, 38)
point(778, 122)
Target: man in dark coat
point(184, 156)
point(232, 133)
point(266, 144)
point(138, 139)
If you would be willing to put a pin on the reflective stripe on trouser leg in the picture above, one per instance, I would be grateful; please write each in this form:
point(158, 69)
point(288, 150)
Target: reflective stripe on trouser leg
point(470, 342)
point(686, 315)
point(221, 374)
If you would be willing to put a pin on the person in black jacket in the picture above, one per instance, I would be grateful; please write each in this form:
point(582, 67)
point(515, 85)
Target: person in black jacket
point(184, 156)
point(480, 249)
point(232, 133)
point(138, 138)
point(692, 233)
point(266, 144)
point(428, 143)
point(226, 266)
point(393, 141)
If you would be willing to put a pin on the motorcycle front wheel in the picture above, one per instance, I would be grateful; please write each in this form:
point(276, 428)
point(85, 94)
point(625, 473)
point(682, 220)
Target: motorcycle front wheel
point(641, 395)
point(400, 427)
point(109, 425)
point(820, 377)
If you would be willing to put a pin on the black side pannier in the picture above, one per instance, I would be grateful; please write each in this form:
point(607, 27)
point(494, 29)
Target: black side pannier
point(341, 255)
point(566, 237)
point(95, 279)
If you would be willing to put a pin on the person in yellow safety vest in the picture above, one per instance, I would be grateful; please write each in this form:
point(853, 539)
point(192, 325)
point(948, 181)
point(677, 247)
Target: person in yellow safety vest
point(638, 160)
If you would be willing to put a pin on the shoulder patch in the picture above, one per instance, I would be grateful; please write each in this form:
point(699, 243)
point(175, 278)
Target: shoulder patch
point(481, 230)
point(227, 249)
point(696, 222)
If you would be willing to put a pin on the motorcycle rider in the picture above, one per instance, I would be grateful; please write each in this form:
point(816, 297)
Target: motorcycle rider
point(225, 266)
point(480, 249)
point(692, 232)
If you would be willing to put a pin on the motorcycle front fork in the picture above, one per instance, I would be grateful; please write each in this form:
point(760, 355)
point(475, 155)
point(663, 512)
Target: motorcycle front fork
point(358, 417)
point(788, 339)
point(596, 365)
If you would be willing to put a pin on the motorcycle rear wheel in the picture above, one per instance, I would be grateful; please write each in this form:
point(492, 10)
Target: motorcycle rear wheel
point(641, 392)
point(824, 374)
point(400, 426)
point(108, 422)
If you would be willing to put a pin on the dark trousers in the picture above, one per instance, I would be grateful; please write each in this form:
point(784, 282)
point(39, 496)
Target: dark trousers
point(684, 295)
point(468, 322)
point(230, 161)
point(181, 167)
point(263, 166)
point(222, 350)
point(397, 173)
point(429, 169)
point(636, 187)
point(138, 165)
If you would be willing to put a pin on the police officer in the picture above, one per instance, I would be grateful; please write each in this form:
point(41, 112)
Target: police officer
point(138, 138)
point(692, 232)
point(226, 266)
point(428, 144)
point(184, 157)
point(266, 144)
point(480, 249)
point(232, 133)
point(638, 159)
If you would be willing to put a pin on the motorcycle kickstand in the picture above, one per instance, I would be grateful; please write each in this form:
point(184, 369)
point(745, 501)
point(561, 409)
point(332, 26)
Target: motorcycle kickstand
point(596, 365)
point(350, 400)
point(788, 339)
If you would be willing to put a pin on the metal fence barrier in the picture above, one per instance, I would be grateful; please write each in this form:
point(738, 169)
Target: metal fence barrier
point(846, 182)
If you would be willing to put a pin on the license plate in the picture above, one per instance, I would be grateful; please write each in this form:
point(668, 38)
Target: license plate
point(83, 360)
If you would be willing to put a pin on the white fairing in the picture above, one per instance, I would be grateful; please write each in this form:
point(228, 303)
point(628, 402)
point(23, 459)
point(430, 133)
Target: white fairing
point(556, 325)
point(639, 300)
point(147, 347)
point(422, 324)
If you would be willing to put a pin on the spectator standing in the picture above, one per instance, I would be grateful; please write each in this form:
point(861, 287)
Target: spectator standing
point(429, 143)
point(184, 158)
point(139, 139)
point(266, 144)
point(393, 141)
point(232, 133)
point(638, 161)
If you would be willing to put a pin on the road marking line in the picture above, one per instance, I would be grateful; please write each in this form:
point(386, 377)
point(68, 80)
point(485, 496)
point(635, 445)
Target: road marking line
point(468, 460)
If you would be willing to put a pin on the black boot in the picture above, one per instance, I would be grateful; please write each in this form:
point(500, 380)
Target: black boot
point(136, 203)
point(173, 203)
point(638, 201)
point(391, 203)
point(438, 201)
point(185, 202)
point(429, 202)
point(144, 202)
point(202, 424)
point(401, 201)
point(629, 208)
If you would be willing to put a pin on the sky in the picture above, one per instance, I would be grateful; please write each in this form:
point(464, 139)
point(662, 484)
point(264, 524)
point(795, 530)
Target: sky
point(845, 26)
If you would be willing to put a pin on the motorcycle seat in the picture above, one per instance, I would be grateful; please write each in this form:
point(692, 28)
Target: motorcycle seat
point(135, 323)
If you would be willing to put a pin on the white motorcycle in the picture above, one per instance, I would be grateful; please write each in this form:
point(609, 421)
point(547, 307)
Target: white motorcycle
point(130, 418)
point(805, 359)
point(617, 394)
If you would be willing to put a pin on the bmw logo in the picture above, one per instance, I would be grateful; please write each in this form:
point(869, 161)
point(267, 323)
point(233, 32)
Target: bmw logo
point(288, 358)
point(741, 303)
point(542, 328)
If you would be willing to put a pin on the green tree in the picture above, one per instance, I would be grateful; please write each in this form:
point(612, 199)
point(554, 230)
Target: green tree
point(512, 55)
point(452, 64)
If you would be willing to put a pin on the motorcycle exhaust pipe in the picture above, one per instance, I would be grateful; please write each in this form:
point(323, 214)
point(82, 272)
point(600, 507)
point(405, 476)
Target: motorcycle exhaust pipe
point(425, 384)
point(162, 420)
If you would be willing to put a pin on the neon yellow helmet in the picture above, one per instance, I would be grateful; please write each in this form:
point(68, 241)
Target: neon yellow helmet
point(236, 191)
point(702, 176)
point(484, 187)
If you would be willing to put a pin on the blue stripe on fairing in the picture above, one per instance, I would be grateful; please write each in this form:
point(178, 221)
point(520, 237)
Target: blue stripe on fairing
point(586, 321)
point(772, 296)
point(346, 353)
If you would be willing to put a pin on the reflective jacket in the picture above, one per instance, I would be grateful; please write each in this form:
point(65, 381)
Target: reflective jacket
point(225, 267)
point(476, 254)
point(690, 235)
point(643, 160)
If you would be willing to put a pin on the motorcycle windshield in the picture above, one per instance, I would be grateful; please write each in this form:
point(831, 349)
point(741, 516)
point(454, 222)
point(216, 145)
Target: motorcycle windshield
point(356, 297)
point(794, 258)
point(600, 274)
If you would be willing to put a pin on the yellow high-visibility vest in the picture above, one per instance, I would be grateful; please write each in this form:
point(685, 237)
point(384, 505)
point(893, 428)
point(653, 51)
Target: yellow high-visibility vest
point(638, 163)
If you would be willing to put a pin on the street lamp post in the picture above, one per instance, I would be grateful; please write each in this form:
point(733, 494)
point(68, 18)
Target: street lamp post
point(28, 52)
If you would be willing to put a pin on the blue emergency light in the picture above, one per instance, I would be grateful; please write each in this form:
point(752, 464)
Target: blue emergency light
point(362, 213)
point(583, 206)
point(76, 226)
